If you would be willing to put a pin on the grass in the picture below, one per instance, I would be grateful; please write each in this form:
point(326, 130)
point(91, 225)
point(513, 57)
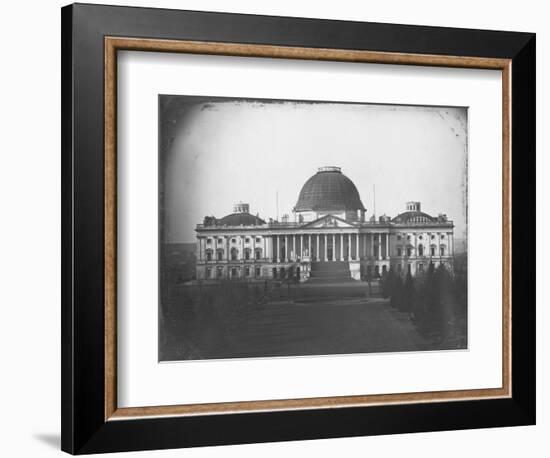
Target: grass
point(238, 320)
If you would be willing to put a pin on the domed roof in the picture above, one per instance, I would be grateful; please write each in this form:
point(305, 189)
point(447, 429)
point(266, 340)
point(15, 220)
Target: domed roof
point(240, 218)
point(329, 190)
point(413, 217)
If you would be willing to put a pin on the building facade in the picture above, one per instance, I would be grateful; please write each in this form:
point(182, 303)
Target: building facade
point(329, 226)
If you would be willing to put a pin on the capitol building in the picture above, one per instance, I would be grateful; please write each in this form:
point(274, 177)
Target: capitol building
point(328, 238)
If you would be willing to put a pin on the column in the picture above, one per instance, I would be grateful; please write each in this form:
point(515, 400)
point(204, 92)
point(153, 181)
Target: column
point(242, 248)
point(317, 252)
point(264, 254)
point(357, 247)
point(227, 248)
point(253, 247)
point(387, 246)
point(369, 245)
point(309, 245)
point(349, 247)
point(294, 247)
point(333, 247)
point(301, 246)
point(199, 249)
point(379, 238)
point(341, 247)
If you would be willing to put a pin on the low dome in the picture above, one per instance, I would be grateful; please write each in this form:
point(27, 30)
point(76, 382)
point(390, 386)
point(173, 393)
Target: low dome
point(413, 217)
point(240, 218)
point(329, 190)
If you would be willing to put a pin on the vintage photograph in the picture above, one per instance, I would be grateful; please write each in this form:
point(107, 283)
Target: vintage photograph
point(294, 228)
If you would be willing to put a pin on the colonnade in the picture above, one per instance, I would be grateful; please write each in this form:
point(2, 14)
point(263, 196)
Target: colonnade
point(324, 247)
point(327, 247)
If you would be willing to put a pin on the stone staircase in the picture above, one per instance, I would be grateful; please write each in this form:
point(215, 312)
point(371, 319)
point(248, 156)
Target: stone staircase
point(330, 272)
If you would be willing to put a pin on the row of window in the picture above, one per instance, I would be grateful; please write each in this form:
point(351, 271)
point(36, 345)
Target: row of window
point(233, 240)
point(233, 272)
point(420, 237)
point(249, 272)
point(259, 239)
point(421, 251)
point(420, 268)
point(234, 254)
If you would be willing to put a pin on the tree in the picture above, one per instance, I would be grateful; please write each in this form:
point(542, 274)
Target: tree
point(425, 297)
point(388, 283)
point(409, 294)
point(441, 308)
point(397, 293)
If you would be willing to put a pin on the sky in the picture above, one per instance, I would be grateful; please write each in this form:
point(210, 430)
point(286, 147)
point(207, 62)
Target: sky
point(215, 152)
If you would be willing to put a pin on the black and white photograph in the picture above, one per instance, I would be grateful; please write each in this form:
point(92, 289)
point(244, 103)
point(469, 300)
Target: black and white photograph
point(242, 229)
point(294, 228)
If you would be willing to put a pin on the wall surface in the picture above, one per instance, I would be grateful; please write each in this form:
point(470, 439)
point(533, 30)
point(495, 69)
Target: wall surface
point(30, 229)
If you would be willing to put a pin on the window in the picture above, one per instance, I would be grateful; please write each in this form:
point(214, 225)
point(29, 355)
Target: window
point(208, 272)
point(257, 272)
point(258, 239)
point(247, 254)
point(442, 236)
point(420, 250)
point(246, 240)
point(233, 240)
point(442, 251)
point(233, 272)
point(421, 267)
point(419, 237)
point(219, 272)
point(209, 241)
point(209, 255)
point(399, 237)
point(408, 237)
point(220, 255)
point(258, 253)
point(432, 251)
point(408, 268)
point(234, 254)
point(409, 252)
point(399, 251)
point(399, 268)
point(433, 237)
point(247, 271)
point(220, 241)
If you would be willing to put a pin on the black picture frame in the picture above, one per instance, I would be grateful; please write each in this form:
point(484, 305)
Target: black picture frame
point(84, 427)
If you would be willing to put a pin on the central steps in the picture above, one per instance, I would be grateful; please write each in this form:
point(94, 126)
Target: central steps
point(330, 271)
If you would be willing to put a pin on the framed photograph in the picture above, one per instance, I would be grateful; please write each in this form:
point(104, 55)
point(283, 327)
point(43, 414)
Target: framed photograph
point(281, 228)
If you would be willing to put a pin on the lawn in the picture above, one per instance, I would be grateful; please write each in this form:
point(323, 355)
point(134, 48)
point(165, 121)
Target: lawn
point(238, 320)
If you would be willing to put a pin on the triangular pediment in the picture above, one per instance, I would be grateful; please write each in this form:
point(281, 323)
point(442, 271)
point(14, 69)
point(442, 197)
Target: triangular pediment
point(328, 221)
